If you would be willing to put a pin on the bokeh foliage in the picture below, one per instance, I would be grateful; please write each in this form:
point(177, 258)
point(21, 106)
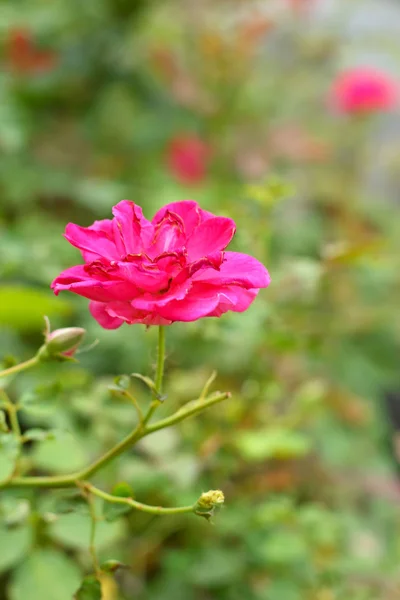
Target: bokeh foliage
point(303, 450)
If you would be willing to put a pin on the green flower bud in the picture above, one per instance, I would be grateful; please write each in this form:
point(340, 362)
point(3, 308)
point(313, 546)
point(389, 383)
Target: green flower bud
point(208, 503)
point(63, 342)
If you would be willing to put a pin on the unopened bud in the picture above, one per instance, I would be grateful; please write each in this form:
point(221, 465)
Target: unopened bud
point(63, 341)
point(208, 503)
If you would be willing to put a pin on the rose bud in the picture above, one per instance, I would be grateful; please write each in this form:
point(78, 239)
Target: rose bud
point(64, 341)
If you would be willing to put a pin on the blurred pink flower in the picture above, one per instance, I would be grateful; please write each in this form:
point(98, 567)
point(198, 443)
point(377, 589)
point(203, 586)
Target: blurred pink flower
point(364, 90)
point(173, 268)
point(23, 56)
point(187, 158)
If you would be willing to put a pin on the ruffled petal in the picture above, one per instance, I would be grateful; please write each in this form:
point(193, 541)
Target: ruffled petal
point(77, 280)
point(93, 243)
point(236, 269)
point(212, 235)
point(169, 235)
point(199, 302)
point(151, 302)
point(133, 231)
point(70, 275)
point(188, 210)
point(131, 315)
point(239, 300)
point(99, 312)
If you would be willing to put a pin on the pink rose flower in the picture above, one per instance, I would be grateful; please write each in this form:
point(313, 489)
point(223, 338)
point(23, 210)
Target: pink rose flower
point(187, 158)
point(174, 268)
point(364, 90)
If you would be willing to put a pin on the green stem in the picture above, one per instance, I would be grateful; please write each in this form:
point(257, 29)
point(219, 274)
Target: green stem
point(153, 510)
point(12, 412)
point(92, 539)
point(160, 359)
point(21, 367)
point(190, 409)
point(138, 433)
point(136, 405)
point(159, 374)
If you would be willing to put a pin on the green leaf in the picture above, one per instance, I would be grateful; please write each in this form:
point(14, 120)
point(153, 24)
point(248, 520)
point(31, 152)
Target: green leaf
point(90, 589)
point(147, 381)
point(272, 443)
point(15, 542)
point(45, 575)
point(114, 511)
point(23, 308)
point(9, 448)
point(61, 455)
point(123, 382)
point(64, 502)
point(283, 548)
point(14, 510)
point(216, 567)
point(73, 530)
point(283, 590)
point(42, 398)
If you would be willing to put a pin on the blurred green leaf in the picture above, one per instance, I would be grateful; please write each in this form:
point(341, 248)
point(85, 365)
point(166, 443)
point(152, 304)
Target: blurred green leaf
point(73, 531)
point(23, 308)
point(215, 567)
point(45, 575)
point(15, 543)
point(272, 443)
point(62, 454)
point(114, 511)
point(283, 548)
point(9, 448)
point(90, 589)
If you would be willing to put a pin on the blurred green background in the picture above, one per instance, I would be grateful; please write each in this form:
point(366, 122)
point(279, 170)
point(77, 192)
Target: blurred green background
point(225, 103)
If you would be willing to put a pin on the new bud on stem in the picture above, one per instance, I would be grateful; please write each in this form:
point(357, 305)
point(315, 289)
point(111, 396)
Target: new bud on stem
point(61, 343)
point(208, 503)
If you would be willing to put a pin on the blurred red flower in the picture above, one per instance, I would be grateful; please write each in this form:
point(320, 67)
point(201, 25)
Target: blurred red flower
point(23, 56)
point(364, 90)
point(187, 158)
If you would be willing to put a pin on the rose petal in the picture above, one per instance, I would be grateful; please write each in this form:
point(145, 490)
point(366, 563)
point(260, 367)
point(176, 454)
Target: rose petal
point(237, 269)
point(240, 300)
point(212, 235)
point(200, 302)
point(98, 311)
point(125, 311)
point(77, 280)
point(169, 235)
point(130, 227)
point(92, 241)
point(188, 210)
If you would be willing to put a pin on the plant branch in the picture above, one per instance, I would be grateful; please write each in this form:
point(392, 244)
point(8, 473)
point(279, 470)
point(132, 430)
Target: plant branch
point(20, 367)
point(153, 510)
point(138, 433)
point(190, 409)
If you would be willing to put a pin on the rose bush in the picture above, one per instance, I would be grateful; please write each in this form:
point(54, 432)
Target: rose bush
point(174, 268)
